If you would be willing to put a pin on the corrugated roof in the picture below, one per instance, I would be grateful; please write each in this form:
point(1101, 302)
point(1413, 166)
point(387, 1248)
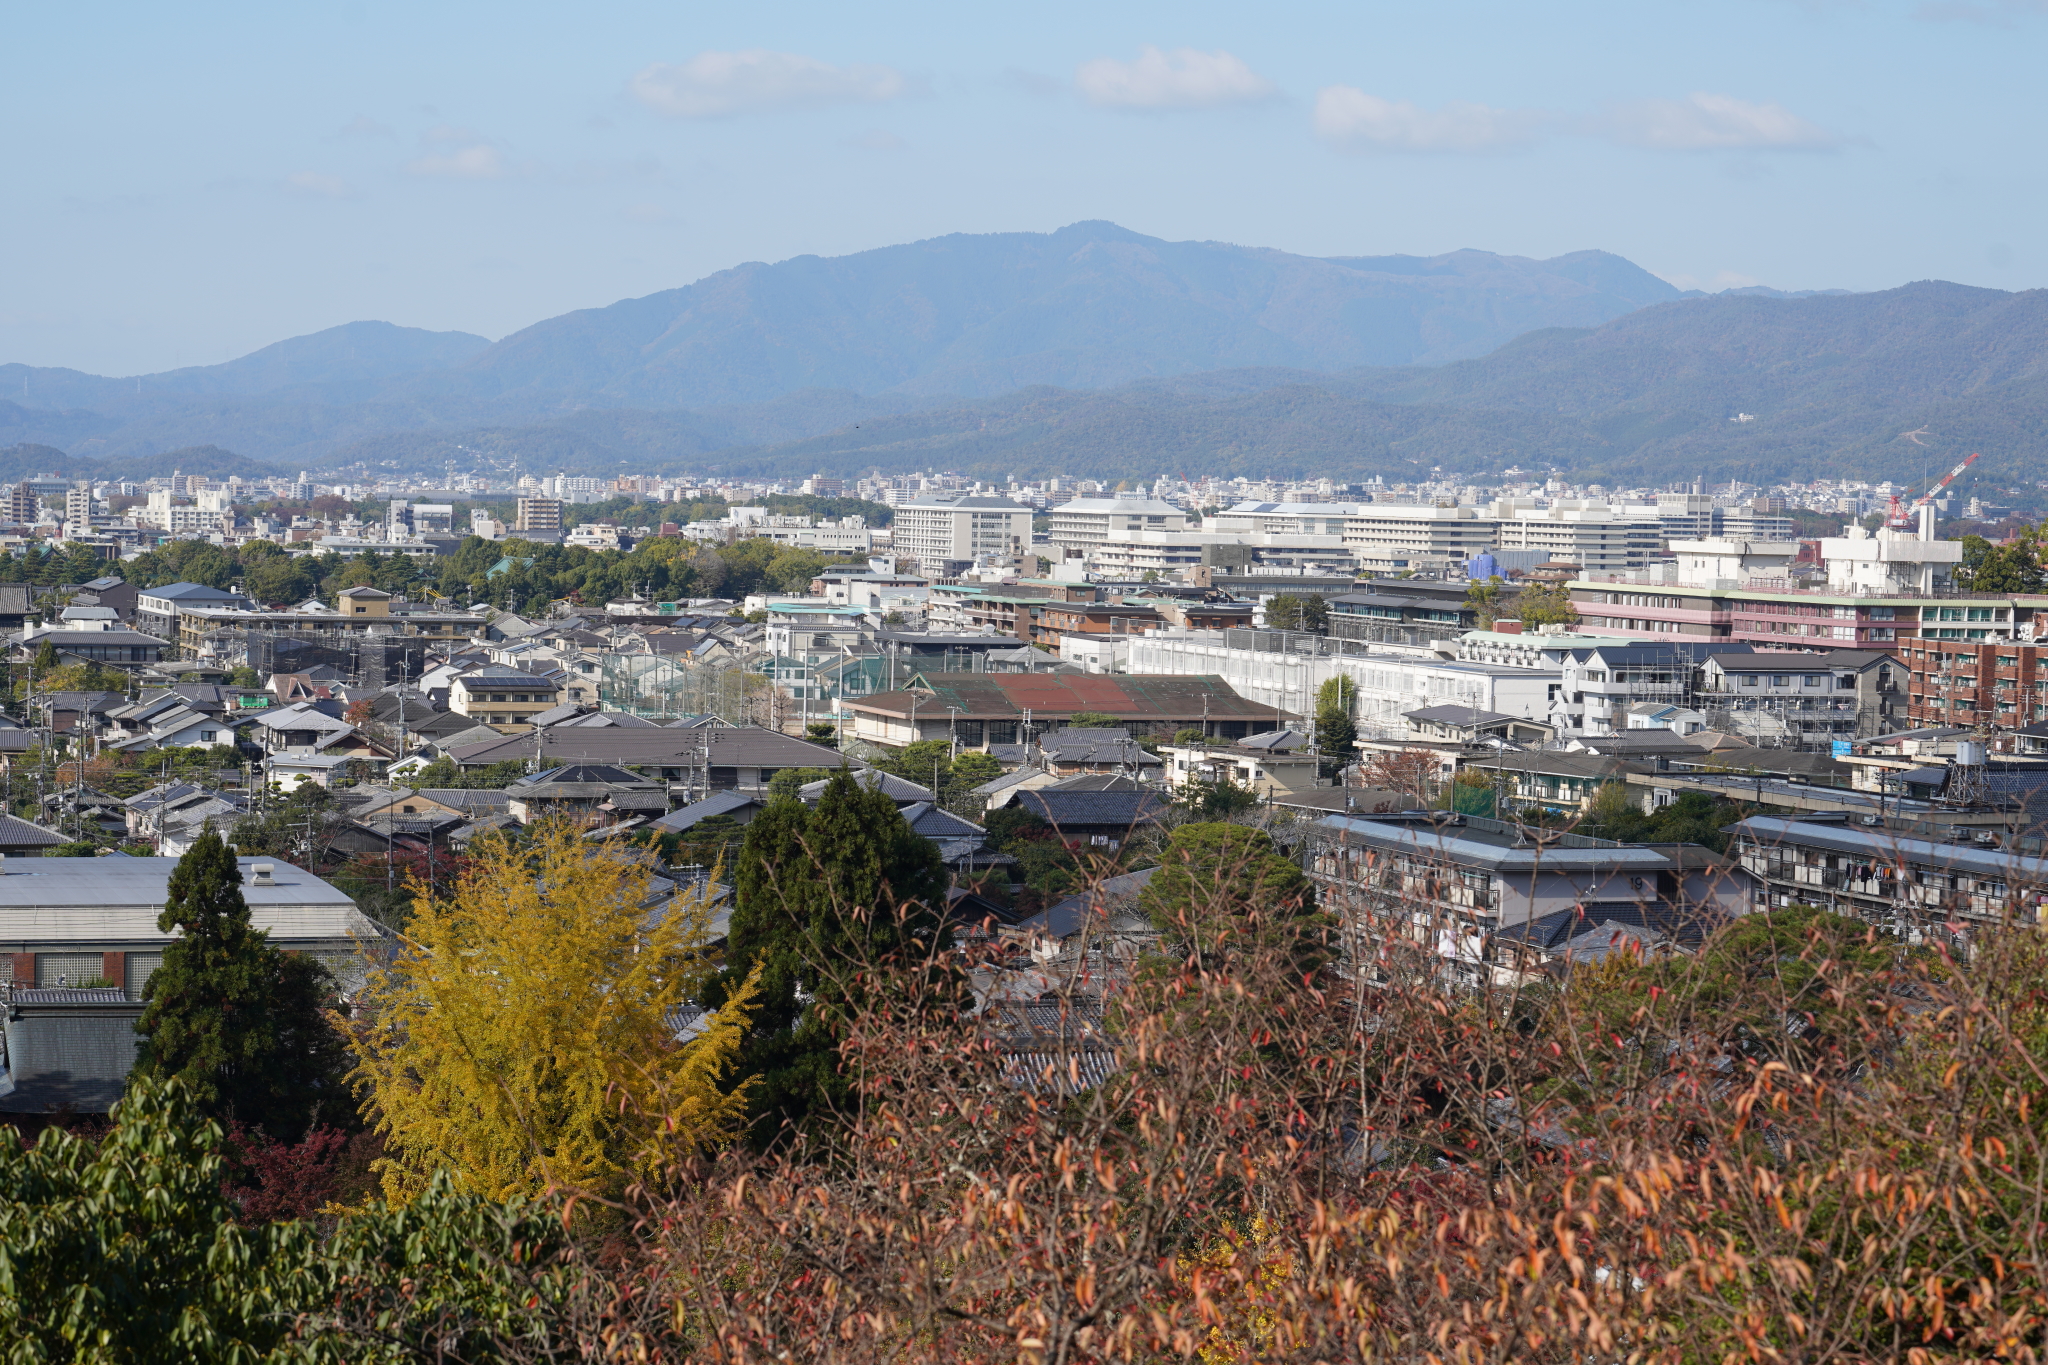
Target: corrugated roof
point(117, 900)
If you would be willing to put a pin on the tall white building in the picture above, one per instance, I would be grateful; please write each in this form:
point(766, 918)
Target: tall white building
point(960, 527)
point(1384, 537)
point(1084, 523)
point(1592, 535)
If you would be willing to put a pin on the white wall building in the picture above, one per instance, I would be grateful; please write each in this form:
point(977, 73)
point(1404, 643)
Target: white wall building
point(1891, 563)
point(960, 527)
point(1389, 684)
point(1084, 523)
point(1590, 534)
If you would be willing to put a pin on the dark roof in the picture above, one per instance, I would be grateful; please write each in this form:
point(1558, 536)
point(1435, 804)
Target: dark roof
point(490, 679)
point(1139, 697)
point(18, 833)
point(578, 772)
point(1106, 898)
point(718, 803)
point(1097, 811)
point(189, 592)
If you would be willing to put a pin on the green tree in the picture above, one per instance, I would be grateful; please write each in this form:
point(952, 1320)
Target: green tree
point(789, 781)
point(46, 657)
point(1484, 597)
point(1094, 720)
point(1545, 604)
point(822, 732)
point(970, 770)
point(1336, 732)
point(1304, 612)
point(239, 1023)
point(2014, 566)
point(926, 762)
point(1222, 888)
point(820, 894)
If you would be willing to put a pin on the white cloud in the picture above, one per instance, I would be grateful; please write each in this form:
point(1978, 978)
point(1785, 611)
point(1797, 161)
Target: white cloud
point(318, 185)
point(713, 84)
point(1353, 121)
point(1181, 79)
point(1703, 122)
point(480, 162)
point(457, 154)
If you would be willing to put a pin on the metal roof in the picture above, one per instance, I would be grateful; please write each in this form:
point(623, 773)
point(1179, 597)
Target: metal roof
point(117, 900)
point(1882, 846)
point(1493, 844)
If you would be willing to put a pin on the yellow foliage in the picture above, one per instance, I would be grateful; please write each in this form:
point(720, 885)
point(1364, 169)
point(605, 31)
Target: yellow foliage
point(1237, 1281)
point(519, 1039)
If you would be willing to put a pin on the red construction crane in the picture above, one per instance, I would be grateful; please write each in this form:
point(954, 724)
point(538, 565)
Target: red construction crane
point(1900, 515)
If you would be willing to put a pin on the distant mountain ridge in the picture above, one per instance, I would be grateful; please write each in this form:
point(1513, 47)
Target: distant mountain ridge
point(1101, 351)
point(1089, 306)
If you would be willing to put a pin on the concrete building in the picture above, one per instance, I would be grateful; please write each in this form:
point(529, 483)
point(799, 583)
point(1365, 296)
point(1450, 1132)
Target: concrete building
point(1080, 525)
point(1492, 903)
point(1922, 889)
point(1392, 538)
point(947, 532)
point(541, 515)
point(503, 700)
point(1594, 536)
point(1286, 671)
point(1809, 701)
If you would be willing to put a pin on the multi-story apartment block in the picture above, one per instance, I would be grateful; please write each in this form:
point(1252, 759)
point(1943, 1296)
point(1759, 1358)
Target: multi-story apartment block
point(1918, 888)
point(2002, 683)
point(948, 531)
point(540, 514)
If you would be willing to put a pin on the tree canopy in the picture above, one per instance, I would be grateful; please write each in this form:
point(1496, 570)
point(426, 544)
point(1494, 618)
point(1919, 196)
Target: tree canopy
point(821, 895)
point(526, 1035)
point(239, 1023)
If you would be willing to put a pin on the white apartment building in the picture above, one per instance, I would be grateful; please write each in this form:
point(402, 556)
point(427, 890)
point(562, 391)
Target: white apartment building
point(166, 512)
point(1596, 537)
point(935, 528)
point(1388, 537)
point(1284, 518)
point(1389, 684)
point(1171, 553)
point(1084, 523)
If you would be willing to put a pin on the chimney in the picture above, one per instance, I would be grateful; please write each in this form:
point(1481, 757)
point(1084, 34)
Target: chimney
point(1508, 627)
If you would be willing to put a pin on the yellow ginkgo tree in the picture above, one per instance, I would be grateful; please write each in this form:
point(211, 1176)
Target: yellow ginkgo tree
point(523, 1035)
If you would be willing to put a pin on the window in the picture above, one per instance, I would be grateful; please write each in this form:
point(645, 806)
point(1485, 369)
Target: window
point(1811, 679)
point(209, 736)
point(1749, 680)
point(1845, 682)
point(1781, 679)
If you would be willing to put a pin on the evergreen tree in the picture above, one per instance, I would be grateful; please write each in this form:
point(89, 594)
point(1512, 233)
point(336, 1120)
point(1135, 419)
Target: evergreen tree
point(820, 895)
point(238, 1021)
point(1221, 888)
point(1336, 732)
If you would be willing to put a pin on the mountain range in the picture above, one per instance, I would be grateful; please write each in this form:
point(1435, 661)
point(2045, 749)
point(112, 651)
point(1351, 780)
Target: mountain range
point(1094, 349)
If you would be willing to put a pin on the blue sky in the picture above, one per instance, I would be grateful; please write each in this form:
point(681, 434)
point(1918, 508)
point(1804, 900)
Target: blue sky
point(186, 184)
